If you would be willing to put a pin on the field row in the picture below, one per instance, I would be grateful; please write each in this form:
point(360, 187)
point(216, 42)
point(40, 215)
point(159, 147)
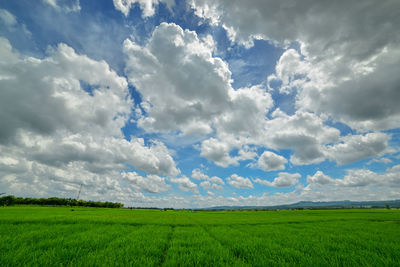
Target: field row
point(320, 243)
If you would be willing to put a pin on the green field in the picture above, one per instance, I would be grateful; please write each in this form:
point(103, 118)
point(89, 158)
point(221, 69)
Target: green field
point(58, 236)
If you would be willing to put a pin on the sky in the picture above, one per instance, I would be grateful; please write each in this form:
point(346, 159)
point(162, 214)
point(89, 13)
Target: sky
point(200, 103)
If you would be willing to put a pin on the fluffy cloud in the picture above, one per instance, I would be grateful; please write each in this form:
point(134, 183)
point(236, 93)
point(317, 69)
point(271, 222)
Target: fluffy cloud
point(186, 89)
point(342, 26)
point(46, 95)
point(239, 182)
point(357, 147)
point(219, 151)
point(349, 52)
point(147, 6)
point(151, 183)
point(291, 71)
point(304, 132)
point(64, 115)
point(180, 81)
point(284, 179)
point(319, 178)
point(270, 161)
point(359, 178)
point(98, 153)
point(324, 89)
point(17, 174)
point(163, 72)
point(208, 182)
point(374, 91)
point(185, 184)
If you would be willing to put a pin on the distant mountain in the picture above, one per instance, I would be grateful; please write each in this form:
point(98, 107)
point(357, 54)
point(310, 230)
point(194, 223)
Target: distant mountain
point(317, 205)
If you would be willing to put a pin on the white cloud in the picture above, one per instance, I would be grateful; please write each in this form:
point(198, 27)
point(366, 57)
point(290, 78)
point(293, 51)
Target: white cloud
point(359, 178)
point(340, 25)
point(208, 185)
point(208, 182)
point(349, 52)
point(185, 184)
point(371, 84)
point(186, 89)
point(239, 182)
point(247, 115)
point(7, 18)
point(56, 99)
point(319, 178)
point(291, 71)
point(219, 151)
point(64, 115)
point(12, 25)
point(304, 132)
point(381, 160)
point(99, 153)
point(180, 81)
point(356, 178)
point(199, 175)
point(284, 179)
point(353, 148)
point(150, 183)
point(147, 6)
point(67, 6)
point(269, 161)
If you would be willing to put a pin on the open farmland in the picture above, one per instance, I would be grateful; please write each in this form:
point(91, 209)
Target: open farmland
point(49, 236)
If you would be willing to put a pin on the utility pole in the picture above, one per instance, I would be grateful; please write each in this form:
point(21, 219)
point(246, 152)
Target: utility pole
point(77, 198)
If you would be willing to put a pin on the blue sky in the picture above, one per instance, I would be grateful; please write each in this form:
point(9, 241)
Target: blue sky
point(200, 103)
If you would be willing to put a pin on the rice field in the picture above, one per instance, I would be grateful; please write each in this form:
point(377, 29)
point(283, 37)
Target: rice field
point(61, 236)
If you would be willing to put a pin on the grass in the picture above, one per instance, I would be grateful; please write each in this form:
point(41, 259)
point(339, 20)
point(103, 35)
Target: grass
point(50, 236)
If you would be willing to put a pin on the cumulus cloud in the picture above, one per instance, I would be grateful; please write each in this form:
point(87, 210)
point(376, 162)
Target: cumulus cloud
point(179, 79)
point(208, 182)
point(269, 161)
point(304, 132)
point(187, 89)
point(185, 184)
point(353, 148)
point(284, 179)
point(291, 70)
point(150, 183)
point(218, 152)
point(359, 178)
point(319, 178)
point(348, 52)
point(239, 182)
point(97, 152)
point(56, 98)
point(64, 115)
point(147, 6)
point(341, 25)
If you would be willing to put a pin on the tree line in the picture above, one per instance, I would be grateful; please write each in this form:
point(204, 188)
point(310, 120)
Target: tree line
point(12, 200)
